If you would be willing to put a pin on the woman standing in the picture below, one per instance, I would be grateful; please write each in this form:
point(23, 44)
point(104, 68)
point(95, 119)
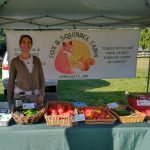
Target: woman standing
point(26, 74)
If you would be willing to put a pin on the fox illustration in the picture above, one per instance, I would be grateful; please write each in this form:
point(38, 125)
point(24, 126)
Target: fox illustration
point(62, 61)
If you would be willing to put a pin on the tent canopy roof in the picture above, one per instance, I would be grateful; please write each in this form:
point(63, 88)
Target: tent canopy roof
point(62, 14)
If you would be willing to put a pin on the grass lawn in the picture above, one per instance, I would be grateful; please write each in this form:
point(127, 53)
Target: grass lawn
point(95, 92)
point(100, 92)
point(2, 97)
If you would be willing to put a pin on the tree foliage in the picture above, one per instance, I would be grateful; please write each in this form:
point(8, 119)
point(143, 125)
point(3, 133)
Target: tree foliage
point(144, 41)
point(2, 42)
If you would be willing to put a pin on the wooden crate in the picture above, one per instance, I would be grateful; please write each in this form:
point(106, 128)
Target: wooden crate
point(101, 121)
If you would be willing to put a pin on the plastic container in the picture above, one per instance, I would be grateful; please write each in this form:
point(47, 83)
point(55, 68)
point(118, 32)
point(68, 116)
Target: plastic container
point(133, 101)
point(5, 119)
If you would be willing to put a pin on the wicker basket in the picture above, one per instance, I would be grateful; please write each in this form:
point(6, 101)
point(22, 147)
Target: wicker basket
point(28, 120)
point(138, 117)
point(58, 120)
point(101, 121)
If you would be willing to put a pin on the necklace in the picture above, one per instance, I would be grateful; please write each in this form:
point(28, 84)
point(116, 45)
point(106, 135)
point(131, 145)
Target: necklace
point(25, 58)
point(27, 61)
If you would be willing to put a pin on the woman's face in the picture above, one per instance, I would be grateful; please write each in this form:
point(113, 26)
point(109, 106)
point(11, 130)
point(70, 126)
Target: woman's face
point(25, 45)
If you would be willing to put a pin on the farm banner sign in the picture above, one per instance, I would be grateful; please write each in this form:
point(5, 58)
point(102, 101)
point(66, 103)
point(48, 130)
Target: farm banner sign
point(81, 54)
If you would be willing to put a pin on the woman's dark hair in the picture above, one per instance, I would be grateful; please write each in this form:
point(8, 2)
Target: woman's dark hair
point(27, 36)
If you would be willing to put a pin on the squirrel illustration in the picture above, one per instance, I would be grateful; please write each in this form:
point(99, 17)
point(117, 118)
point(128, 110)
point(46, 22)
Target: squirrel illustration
point(84, 64)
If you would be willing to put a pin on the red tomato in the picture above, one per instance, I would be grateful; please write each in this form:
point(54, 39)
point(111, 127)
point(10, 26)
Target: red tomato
point(49, 110)
point(71, 112)
point(60, 111)
point(68, 113)
point(69, 107)
point(82, 111)
point(95, 116)
point(58, 106)
point(54, 111)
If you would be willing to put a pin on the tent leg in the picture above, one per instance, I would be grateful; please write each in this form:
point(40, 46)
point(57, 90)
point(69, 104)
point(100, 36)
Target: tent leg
point(148, 77)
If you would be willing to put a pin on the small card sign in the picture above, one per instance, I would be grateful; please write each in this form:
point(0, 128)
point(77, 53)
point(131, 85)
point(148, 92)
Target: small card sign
point(79, 117)
point(4, 105)
point(5, 111)
point(79, 104)
point(28, 105)
point(112, 105)
point(144, 102)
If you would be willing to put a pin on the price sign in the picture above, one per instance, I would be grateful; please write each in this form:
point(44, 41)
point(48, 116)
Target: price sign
point(28, 105)
point(79, 104)
point(143, 102)
point(79, 117)
point(112, 105)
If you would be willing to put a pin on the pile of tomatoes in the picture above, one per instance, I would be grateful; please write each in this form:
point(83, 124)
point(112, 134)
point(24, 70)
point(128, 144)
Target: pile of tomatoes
point(59, 108)
point(95, 113)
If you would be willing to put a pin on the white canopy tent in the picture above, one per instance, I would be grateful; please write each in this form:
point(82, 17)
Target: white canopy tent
point(66, 14)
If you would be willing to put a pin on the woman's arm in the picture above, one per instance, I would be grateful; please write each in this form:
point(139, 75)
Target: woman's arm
point(41, 80)
point(11, 83)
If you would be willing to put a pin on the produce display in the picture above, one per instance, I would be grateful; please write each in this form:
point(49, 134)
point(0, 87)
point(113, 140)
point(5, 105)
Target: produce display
point(123, 110)
point(61, 109)
point(60, 114)
point(28, 116)
point(127, 114)
point(95, 113)
point(28, 112)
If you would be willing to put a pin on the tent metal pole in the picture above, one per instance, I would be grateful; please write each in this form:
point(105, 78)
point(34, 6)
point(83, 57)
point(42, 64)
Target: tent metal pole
point(148, 77)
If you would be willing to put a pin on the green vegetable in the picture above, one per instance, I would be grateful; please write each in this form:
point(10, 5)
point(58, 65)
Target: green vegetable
point(123, 112)
point(30, 112)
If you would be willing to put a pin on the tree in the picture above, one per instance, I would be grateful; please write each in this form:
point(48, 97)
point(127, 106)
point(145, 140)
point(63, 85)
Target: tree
point(145, 38)
point(2, 42)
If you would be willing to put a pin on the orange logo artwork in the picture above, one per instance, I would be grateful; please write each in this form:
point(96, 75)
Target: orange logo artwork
point(73, 57)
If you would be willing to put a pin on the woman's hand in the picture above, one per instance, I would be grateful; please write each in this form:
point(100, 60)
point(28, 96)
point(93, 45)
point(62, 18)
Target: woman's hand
point(40, 100)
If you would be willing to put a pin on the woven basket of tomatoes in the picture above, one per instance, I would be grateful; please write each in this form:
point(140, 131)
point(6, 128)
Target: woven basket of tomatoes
point(97, 115)
point(60, 113)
